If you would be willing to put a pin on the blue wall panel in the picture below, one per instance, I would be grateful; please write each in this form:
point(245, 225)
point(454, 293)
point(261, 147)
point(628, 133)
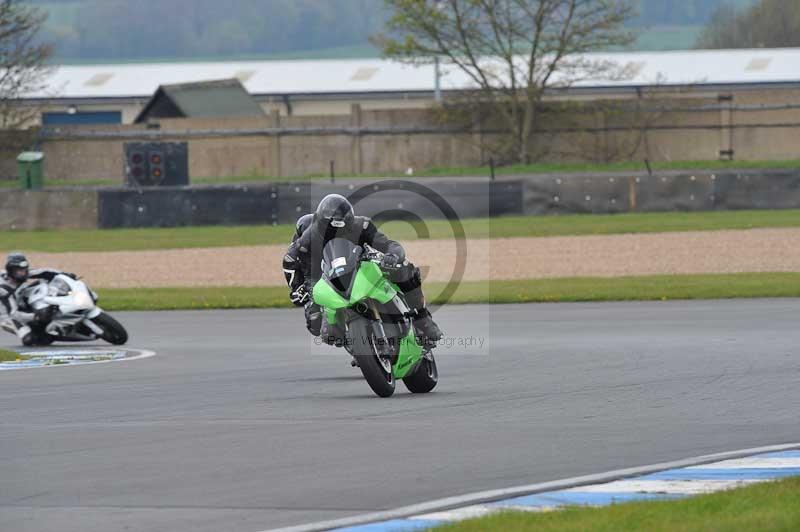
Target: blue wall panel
point(93, 117)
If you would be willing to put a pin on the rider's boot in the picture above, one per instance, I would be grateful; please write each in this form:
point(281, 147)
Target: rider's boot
point(26, 335)
point(424, 326)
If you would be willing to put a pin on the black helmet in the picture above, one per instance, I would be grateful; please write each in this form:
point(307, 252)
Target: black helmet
point(17, 267)
point(303, 223)
point(334, 213)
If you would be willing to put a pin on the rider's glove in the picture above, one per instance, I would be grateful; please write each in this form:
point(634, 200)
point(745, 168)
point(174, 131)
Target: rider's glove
point(390, 261)
point(300, 296)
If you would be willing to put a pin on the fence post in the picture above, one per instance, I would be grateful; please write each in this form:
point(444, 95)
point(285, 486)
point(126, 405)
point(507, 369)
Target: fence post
point(726, 151)
point(356, 155)
point(333, 172)
point(276, 145)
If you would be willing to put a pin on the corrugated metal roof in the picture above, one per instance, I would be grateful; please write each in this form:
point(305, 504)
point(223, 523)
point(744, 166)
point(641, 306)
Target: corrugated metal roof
point(218, 98)
point(377, 75)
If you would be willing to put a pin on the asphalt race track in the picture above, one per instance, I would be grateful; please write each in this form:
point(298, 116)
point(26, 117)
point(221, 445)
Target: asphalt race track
point(241, 424)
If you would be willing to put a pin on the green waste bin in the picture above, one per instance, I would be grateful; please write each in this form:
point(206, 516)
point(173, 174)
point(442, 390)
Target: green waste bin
point(30, 169)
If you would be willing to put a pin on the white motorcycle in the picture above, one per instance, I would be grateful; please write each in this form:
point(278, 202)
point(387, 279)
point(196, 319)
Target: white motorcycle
point(75, 316)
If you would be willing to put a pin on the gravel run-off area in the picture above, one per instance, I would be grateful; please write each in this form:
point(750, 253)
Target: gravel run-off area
point(755, 250)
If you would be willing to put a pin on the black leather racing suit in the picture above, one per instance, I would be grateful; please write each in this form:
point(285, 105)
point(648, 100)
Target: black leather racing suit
point(302, 264)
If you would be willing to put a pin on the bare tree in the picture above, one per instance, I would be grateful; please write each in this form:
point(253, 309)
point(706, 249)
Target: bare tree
point(23, 61)
point(511, 51)
point(621, 126)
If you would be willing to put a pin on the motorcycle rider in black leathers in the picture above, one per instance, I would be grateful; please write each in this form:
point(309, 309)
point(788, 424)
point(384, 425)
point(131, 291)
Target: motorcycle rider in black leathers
point(334, 218)
point(17, 272)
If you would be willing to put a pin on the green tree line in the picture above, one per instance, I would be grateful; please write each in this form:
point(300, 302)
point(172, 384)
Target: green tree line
point(137, 29)
point(681, 12)
point(142, 29)
point(767, 24)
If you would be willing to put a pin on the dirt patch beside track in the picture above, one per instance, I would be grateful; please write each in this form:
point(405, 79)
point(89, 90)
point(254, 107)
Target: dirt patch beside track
point(757, 250)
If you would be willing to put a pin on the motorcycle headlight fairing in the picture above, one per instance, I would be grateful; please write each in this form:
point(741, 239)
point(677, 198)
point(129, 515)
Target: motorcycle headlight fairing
point(83, 300)
point(58, 288)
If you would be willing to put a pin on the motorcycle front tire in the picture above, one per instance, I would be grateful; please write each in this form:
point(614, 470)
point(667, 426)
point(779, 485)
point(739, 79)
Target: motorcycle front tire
point(364, 351)
point(113, 331)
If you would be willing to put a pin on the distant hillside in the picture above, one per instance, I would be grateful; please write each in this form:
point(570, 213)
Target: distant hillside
point(135, 30)
point(680, 12)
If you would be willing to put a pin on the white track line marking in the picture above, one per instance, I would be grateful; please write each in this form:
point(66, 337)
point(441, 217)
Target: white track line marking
point(143, 353)
point(482, 497)
point(755, 462)
point(472, 512)
point(671, 487)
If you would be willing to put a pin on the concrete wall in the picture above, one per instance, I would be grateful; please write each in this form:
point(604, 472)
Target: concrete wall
point(48, 209)
point(227, 148)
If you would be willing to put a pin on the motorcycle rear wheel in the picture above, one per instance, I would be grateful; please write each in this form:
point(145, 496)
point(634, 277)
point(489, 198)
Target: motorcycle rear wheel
point(113, 331)
point(424, 378)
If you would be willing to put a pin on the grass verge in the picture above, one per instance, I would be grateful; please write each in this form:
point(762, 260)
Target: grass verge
point(771, 506)
point(522, 169)
point(646, 288)
point(70, 183)
point(626, 166)
point(512, 226)
point(11, 356)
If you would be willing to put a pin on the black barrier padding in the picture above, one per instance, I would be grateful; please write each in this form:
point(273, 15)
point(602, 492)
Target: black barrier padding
point(297, 200)
point(284, 203)
point(595, 195)
point(675, 193)
point(506, 198)
point(175, 207)
point(776, 190)
point(468, 199)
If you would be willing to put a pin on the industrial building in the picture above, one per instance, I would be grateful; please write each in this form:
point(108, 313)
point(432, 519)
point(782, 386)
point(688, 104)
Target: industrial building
point(117, 94)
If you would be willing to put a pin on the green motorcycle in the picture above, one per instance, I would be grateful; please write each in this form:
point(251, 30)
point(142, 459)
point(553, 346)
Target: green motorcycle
point(367, 314)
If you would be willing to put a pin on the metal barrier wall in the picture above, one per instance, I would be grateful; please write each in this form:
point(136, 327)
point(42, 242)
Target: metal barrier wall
point(185, 206)
point(666, 191)
point(284, 203)
point(466, 198)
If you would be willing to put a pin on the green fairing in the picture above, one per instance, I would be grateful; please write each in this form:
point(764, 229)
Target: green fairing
point(369, 283)
point(325, 296)
point(410, 353)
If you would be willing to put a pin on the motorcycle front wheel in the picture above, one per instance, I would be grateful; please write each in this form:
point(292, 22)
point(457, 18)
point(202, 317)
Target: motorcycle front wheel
point(113, 331)
point(377, 372)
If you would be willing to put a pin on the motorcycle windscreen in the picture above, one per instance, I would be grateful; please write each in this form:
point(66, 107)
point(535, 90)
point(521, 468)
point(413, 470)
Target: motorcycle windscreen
point(58, 287)
point(340, 261)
